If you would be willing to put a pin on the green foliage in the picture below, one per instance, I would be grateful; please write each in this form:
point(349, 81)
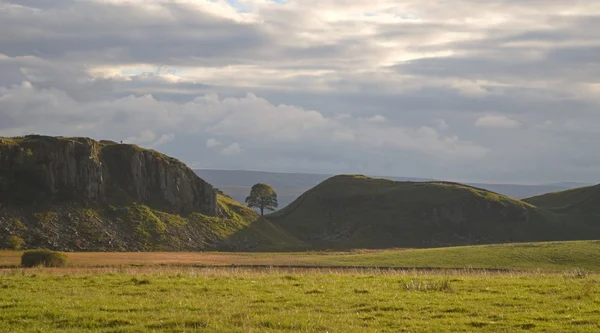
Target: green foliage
point(18, 225)
point(44, 258)
point(262, 196)
point(15, 242)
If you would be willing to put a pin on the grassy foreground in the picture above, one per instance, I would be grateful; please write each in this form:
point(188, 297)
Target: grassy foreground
point(550, 256)
point(170, 299)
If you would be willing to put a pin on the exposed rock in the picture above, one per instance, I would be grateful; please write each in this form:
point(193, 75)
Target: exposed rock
point(48, 169)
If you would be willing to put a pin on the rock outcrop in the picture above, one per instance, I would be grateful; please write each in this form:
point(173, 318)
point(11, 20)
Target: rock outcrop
point(77, 194)
point(36, 169)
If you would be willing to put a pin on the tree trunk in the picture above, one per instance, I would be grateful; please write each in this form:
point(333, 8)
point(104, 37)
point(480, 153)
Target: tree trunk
point(262, 208)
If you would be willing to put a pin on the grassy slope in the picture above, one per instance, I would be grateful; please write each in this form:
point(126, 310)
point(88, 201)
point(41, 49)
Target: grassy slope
point(141, 228)
point(252, 226)
point(579, 200)
point(552, 256)
point(579, 206)
point(196, 300)
point(522, 256)
point(357, 211)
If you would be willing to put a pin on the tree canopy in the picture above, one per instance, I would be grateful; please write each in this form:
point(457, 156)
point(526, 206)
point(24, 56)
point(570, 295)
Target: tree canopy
point(262, 196)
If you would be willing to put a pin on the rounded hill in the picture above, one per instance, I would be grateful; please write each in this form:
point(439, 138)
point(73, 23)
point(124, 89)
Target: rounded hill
point(578, 200)
point(356, 211)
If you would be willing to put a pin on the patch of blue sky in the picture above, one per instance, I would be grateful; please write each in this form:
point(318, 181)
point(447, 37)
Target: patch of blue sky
point(242, 8)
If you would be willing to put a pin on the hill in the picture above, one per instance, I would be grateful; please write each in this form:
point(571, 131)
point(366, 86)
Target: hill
point(583, 200)
point(358, 211)
point(547, 256)
point(290, 186)
point(80, 194)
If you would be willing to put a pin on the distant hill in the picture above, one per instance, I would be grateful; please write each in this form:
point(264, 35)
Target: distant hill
point(290, 186)
point(358, 211)
point(80, 194)
point(581, 201)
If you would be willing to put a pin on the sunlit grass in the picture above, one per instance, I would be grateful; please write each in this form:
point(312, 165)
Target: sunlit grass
point(546, 256)
point(186, 299)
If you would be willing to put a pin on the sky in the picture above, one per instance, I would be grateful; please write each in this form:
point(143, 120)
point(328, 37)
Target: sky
point(464, 90)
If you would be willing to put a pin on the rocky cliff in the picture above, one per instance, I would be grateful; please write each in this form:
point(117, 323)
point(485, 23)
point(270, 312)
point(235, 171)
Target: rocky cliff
point(49, 169)
point(77, 194)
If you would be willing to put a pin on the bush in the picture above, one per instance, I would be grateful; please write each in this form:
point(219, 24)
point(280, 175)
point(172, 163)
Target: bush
point(44, 258)
point(15, 242)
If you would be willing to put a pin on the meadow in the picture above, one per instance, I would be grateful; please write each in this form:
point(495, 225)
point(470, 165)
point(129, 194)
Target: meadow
point(539, 287)
point(189, 299)
point(543, 256)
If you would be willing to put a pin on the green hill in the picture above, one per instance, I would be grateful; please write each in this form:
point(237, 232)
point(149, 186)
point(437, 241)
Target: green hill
point(77, 194)
point(358, 211)
point(580, 206)
point(555, 256)
point(583, 200)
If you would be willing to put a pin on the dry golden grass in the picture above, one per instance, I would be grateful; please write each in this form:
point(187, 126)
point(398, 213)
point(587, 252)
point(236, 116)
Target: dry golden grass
point(82, 259)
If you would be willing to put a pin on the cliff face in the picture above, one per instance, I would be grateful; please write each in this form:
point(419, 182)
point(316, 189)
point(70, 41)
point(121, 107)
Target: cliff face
point(36, 169)
point(77, 194)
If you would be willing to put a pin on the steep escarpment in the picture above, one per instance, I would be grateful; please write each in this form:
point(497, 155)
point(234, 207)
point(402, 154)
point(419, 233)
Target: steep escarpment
point(357, 211)
point(77, 194)
point(36, 169)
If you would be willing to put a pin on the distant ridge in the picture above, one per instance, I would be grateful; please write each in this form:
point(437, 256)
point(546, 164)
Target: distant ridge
point(290, 186)
point(582, 201)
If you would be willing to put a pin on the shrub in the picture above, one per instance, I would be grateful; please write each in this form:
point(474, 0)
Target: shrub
point(15, 242)
point(44, 258)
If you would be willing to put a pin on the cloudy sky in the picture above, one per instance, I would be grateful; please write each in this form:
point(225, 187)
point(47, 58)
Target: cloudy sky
point(465, 90)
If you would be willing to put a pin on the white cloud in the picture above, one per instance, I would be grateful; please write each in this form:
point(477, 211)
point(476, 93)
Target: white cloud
point(440, 123)
point(145, 136)
point(355, 86)
point(496, 121)
point(212, 143)
point(163, 139)
point(376, 119)
point(251, 119)
point(232, 149)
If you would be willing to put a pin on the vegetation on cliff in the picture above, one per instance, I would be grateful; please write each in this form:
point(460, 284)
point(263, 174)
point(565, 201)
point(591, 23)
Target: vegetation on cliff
point(77, 194)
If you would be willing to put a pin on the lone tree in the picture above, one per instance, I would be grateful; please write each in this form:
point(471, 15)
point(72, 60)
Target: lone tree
point(262, 196)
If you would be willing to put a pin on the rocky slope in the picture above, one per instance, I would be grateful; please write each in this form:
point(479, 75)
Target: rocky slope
point(80, 194)
point(357, 211)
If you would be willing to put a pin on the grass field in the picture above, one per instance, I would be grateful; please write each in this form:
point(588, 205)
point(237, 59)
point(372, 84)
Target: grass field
point(555, 289)
point(551, 256)
point(187, 299)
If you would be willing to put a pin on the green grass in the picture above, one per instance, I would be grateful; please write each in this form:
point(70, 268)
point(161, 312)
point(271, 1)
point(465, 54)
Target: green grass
point(583, 200)
point(138, 227)
point(549, 257)
point(208, 300)
point(524, 256)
